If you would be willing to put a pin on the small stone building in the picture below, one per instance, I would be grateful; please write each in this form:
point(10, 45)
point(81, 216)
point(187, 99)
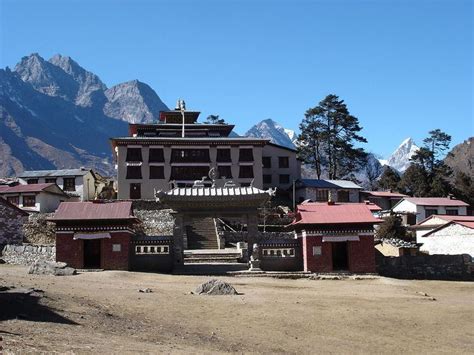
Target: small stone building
point(455, 237)
point(12, 219)
point(336, 237)
point(94, 235)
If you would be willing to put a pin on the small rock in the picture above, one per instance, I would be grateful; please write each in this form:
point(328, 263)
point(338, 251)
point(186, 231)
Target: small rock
point(145, 290)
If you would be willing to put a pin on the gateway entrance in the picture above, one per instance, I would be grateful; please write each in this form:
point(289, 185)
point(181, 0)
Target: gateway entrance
point(339, 256)
point(92, 253)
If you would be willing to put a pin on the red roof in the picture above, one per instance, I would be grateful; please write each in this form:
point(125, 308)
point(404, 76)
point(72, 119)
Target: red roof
point(436, 201)
point(469, 224)
point(68, 211)
point(448, 218)
point(26, 188)
point(385, 194)
point(338, 213)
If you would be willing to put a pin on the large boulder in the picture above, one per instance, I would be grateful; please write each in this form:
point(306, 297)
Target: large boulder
point(43, 267)
point(215, 287)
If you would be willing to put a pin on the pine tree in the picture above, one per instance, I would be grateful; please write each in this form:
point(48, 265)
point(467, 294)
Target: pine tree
point(429, 170)
point(328, 134)
point(389, 179)
point(392, 227)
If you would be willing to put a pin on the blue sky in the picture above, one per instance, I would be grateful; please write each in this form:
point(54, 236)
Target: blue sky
point(403, 67)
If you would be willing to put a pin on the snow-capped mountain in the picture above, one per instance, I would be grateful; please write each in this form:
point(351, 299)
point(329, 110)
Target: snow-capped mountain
point(269, 129)
point(400, 158)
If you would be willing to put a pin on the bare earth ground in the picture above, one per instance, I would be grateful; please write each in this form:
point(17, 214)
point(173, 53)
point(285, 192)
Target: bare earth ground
point(104, 313)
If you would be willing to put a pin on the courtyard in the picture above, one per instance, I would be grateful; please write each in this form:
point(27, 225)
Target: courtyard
point(103, 312)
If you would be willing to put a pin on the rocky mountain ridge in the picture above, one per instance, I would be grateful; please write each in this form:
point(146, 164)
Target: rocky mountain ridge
point(56, 114)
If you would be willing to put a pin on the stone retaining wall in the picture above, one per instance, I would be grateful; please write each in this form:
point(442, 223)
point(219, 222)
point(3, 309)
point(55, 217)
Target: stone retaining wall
point(427, 267)
point(28, 254)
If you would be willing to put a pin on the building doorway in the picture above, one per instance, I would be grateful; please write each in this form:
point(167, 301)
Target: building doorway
point(92, 254)
point(339, 256)
point(135, 191)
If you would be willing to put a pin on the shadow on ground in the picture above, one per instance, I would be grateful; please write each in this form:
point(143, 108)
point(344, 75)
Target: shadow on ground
point(18, 305)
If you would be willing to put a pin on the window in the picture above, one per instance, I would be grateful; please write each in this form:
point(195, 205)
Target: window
point(134, 154)
point(284, 179)
point(283, 162)
point(50, 180)
point(430, 211)
point(225, 171)
point(317, 250)
point(69, 184)
point(116, 247)
point(246, 172)
point(156, 155)
point(13, 199)
point(267, 162)
point(343, 196)
point(322, 195)
point(134, 172)
point(29, 201)
point(246, 154)
point(452, 212)
point(32, 181)
point(190, 156)
point(223, 155)
point(267, 178)
point(157, 172)
point(189, 172)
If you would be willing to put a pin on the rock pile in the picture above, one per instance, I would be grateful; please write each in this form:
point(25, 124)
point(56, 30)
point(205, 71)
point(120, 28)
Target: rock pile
point(215, 288)
point(51, 268)
point(400, 243)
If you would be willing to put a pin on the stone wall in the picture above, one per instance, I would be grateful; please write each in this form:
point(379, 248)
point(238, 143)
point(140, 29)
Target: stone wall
point(428, 267)
point(11, 224)
point(28, 254)
point(37, 230)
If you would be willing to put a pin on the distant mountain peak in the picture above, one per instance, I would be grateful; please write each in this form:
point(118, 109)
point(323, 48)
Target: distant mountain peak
point(400, 158)
point(133, 101)
point(272, 130)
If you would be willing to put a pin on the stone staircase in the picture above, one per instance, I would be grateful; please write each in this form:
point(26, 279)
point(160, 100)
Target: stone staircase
point(202, 234)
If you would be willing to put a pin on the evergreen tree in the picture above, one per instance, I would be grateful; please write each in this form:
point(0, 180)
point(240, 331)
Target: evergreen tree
point(389, 179)
point(328, 134)
point(214, 119)
point(431, 173)
point(414, 182)
point(464, 188)
point(392, 227)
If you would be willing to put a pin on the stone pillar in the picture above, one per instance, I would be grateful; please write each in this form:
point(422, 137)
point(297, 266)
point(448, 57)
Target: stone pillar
point(252, 231)
point(179, 232)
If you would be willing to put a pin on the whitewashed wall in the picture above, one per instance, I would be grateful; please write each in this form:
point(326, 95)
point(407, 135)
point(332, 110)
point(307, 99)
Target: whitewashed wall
point(451, 240)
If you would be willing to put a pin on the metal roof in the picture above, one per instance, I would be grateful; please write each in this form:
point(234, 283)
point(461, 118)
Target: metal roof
point(53, 173)
point(49, 187)
point(216, 191)
point(435, 201)
point(337, 213)
point(330, 184)
point(385, 194)
point(70, 211)
point(447, 218)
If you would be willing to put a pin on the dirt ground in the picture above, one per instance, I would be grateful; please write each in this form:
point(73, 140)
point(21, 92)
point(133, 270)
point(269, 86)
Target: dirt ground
point(103, 312)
